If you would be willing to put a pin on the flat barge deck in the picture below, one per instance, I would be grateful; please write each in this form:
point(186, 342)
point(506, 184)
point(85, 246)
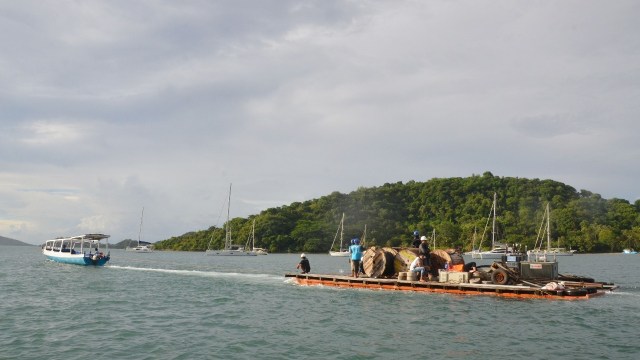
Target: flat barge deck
point(574, 290)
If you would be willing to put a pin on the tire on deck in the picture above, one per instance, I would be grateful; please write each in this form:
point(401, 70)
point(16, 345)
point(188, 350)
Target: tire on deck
point(575, 292)
point(499, 277)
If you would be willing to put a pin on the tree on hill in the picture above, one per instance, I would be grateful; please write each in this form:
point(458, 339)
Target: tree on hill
point(452, 207)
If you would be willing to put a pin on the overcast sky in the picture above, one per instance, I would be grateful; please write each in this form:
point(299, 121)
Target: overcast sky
point(107, 107)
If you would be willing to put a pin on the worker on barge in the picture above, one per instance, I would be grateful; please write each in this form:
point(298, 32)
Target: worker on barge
point(355, 254)
point(417, 266)
point(423, 250)
point(304, 264)
point(416, 239)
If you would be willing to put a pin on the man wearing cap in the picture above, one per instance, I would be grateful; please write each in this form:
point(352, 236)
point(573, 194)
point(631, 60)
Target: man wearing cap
point(355, 252)
point(425, 252)
point(416, 239)
point(304, 264)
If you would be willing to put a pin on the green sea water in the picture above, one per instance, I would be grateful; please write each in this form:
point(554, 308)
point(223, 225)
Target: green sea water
point(179, 305)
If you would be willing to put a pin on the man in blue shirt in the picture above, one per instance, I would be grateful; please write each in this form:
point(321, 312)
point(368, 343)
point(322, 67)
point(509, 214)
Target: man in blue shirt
point(355, 252)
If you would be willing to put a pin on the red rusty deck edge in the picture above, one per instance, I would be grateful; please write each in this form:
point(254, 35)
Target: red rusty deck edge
point(433, 287)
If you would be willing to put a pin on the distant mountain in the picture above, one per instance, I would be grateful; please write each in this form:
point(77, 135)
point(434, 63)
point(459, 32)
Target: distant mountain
point(127, 242)
point(12, 242)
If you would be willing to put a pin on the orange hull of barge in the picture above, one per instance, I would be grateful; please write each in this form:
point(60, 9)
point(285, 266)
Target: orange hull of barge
point(508, 291)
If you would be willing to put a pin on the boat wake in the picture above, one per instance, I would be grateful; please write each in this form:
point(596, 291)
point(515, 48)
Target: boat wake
point(200, 273)
point(623, 293)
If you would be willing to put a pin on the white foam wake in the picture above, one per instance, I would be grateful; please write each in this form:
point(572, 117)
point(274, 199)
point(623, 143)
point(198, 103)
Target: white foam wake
point(212, 274)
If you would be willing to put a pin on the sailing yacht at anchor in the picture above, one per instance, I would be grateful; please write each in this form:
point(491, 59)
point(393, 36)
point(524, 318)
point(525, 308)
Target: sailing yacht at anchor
point(230, 249)
point(342, 251)
point(545, 227)
point(140, 248)
point(497, 249)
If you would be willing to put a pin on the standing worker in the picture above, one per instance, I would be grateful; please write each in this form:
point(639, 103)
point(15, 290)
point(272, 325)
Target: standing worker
point(304, 264)
point(416, 239)
point(423, 250)
point(355, 252)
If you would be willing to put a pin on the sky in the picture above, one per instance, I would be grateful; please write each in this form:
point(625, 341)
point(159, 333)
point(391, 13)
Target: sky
point(109, 107)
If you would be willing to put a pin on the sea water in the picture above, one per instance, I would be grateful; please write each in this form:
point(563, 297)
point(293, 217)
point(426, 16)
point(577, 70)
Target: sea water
point(183, 305)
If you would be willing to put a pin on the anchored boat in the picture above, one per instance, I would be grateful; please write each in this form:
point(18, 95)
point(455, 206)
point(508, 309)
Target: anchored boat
point(80, 250)
point(230, 249)
point(141, 247)
point(342, 251)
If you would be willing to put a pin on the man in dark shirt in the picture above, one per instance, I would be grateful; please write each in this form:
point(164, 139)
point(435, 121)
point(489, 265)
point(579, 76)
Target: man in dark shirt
point(416, 239)
point(423, 250)
point(304, 265)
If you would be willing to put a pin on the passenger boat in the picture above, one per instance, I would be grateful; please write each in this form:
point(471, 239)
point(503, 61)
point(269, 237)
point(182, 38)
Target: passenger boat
point(80, 250)
point(512, 276)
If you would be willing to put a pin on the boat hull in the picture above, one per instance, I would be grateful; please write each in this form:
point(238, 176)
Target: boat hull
point(139, 249)
point(230, 253)
point(77, 259)
point(488, 255)
point(510, 291)
point(549, 253)
point(339, 253)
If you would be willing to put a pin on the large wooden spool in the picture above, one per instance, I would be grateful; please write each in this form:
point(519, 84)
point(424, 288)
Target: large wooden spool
point(388, 262)
point(379, 262)
point(403, 259)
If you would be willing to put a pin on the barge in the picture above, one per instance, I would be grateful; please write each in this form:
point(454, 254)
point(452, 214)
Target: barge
point(511, 277)
point(573, 291)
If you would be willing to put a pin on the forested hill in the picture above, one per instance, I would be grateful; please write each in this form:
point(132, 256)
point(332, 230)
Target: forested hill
point(453, 207)
point(12, 242)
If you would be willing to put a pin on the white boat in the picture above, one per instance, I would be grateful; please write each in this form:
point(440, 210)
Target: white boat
point(341, 251)
point(80, 250)
point(560, 251)
point(260, 251)
point(230, 249)
point(497, 249)
point(252, 239)
point(629, 251)
point(140, 248)
point(540, 254)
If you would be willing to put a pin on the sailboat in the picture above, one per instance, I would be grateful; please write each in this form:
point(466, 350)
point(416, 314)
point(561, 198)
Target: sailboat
point(252, 239)
point(342, 251)
point(497, 249)
point(545, 227)
point(230, 249)
point(140, 248)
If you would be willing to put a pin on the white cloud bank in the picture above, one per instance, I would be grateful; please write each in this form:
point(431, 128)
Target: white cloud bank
point(109, 106)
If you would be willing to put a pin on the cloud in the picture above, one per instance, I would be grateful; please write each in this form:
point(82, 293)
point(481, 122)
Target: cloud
point(109, 106)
